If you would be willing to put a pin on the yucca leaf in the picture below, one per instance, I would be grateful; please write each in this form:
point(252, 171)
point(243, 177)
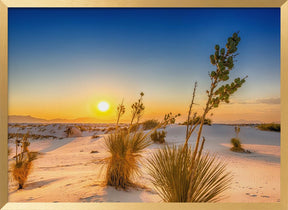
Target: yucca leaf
point(177, 179)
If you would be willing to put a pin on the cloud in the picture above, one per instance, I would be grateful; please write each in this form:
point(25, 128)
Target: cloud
point(245, 102)
point(260, 101)
point(268, 101)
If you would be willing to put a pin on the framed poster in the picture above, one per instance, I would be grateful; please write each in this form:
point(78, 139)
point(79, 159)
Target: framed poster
point(103, 102)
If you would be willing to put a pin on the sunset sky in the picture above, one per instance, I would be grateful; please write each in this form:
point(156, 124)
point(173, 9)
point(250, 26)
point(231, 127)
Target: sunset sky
point(63, 62)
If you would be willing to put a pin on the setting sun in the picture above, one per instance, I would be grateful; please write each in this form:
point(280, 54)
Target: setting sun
point(103, 106)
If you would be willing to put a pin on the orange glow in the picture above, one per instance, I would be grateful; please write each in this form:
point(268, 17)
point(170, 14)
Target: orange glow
point(155, 108)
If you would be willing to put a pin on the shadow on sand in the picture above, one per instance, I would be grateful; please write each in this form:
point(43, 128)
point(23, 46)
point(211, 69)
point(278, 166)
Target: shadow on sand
point(269, 158)
point(38, 184)
point(57, 144)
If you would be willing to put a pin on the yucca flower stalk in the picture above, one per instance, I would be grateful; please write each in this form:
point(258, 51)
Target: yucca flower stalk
point(185, 174)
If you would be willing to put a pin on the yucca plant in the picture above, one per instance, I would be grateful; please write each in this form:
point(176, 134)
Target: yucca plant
point(237, 147)
point(178, 179)
point(236, 143)
point(23, 161)
point(21, 170)
point(125, 147)
point(182, 174)
point(125, 153)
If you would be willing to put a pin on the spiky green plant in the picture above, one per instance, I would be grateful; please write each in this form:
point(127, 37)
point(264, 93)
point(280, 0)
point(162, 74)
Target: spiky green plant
point(125, 153)
point(178, 179)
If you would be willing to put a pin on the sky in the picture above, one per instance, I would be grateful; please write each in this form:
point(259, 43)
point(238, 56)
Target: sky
point(63, 62)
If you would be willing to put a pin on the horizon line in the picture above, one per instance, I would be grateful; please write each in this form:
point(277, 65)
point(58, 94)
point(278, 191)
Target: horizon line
point(76, 120)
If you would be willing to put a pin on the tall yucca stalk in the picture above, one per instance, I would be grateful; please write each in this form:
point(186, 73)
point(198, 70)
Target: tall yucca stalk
point(177, 179)
point(182, 174)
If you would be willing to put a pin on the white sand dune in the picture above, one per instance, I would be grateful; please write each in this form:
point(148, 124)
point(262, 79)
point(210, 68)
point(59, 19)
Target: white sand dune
point(67, 171)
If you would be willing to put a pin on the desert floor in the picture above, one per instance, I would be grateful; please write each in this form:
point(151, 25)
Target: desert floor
point(67, 171)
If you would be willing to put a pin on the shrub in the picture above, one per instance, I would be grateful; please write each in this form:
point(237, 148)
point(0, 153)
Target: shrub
point(207, 121)
point(125, 153)
point(237, 147)
point(177, 179)
point(150, 124)
point(21, 170)
point(270, 127)
point(158, 137)
point(23, 162)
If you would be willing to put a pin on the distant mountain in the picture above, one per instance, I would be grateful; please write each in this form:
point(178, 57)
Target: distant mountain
point(30, 119)
point(25, 119)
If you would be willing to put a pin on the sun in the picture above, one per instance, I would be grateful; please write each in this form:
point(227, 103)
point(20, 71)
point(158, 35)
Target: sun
point(103, 106)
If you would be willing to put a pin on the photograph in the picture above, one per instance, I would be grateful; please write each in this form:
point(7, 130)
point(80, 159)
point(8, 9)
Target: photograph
point(145, 105)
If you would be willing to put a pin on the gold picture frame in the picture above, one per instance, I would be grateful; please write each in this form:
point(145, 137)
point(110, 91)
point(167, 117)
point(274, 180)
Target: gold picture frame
point(5, 4)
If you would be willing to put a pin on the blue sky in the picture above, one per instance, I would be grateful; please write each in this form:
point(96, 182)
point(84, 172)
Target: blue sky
point(57, 55)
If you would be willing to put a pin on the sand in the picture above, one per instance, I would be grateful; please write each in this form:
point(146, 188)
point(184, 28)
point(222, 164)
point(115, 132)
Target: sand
point(67, 171)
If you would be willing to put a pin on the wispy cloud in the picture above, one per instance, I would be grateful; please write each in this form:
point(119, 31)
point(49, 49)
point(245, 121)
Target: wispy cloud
point(260, 101)
point(268, 101)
